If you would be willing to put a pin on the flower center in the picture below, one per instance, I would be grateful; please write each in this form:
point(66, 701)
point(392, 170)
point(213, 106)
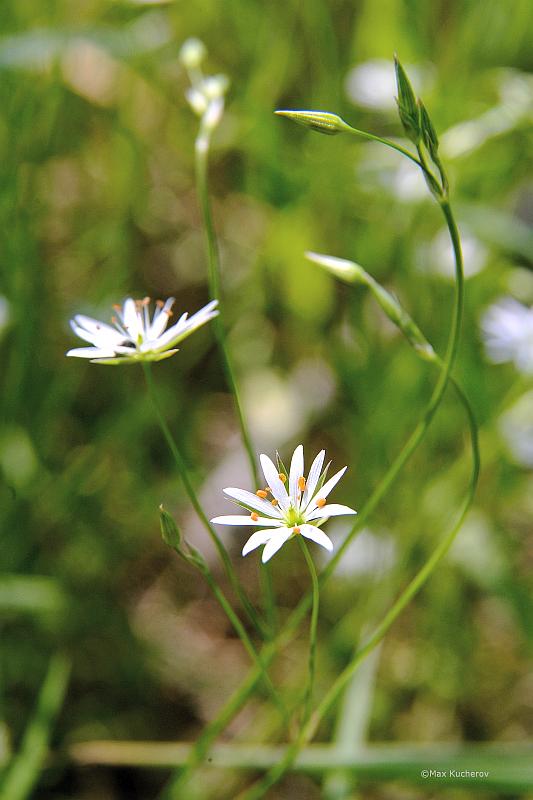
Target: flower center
point(293, 518)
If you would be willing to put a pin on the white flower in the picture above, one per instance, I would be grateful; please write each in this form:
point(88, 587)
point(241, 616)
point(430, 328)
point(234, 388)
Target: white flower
point(507, 329)
point(301, 510)
point(133, 336)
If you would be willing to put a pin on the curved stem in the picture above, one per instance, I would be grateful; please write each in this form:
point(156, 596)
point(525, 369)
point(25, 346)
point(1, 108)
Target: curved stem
point(184, 475)
point(388, 142)
point(312, 632)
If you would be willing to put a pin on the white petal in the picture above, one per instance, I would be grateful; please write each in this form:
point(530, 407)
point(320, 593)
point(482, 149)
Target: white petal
point(275, 543)
point(314, 475)
point(296, 471)
point(90, 352)
point(252, 500)
point(256, 539)
point(238, 519)
point(95, 326)
point(132, 320)
point(160, 320)
point(331, 510)
point(277, 487)
point(184, 327)
point(316, 535)
point(326, 489)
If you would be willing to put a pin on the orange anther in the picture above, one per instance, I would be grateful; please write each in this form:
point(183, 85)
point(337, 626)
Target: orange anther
point(159, 303)
point(274, 502)
point(296, 530)
point(321, 502)
point(301, 484)
point(261, 493)
point(117, 307)
point(254, 516)
point(282, 477)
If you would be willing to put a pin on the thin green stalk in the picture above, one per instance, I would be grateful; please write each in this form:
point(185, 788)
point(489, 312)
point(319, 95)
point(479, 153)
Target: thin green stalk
point(245, 639)
point(182, 469)
point(308, 697)
point(24, 770)
point(201, 162)
point(388, 142)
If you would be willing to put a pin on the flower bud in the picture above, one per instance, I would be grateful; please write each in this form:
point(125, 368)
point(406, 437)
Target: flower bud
point(169, 530)
point(192, 53)
point(321, 121)
point(429, 134)
point(347, 271)
point(407, 105)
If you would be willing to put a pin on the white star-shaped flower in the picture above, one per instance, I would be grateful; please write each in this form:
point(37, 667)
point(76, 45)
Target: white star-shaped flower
point(507, 328)
point(300, 510)
point(133, 335)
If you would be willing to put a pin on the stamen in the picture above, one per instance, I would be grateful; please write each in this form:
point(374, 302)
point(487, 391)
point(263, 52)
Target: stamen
point(117, 307)
point(145, 301)
point(321, 502)
point(254, 516)
point(261, 493)
point(274, 502)
point(169, 313)
point(159, 303)
point(282, 477)
point(296, 530)
point(301, 483)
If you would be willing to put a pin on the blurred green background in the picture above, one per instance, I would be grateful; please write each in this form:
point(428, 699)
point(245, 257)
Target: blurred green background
point(97, 202)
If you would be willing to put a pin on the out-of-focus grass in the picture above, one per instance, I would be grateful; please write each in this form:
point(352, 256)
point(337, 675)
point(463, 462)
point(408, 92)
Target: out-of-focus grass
point(96, 202)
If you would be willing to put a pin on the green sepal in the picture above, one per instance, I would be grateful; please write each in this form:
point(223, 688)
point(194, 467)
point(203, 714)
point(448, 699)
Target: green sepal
point(320, 121)
point(429, 134)
point(407, 105)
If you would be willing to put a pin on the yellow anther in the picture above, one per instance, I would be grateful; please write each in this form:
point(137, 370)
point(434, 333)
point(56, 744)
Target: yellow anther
point(261, 493)
point(254, 516)
point(301, 483)
point(321, 502)
point(282, 477)
point(274, 502)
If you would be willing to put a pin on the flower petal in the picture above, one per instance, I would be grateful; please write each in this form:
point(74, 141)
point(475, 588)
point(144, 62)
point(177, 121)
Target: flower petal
point(256, 539)
point(275, 543)
point(237, 519)
point(326, 489)
point(330, 510)
point(132, 320)
point(314, 475)
point(316, 535)
point(160, 320)
point(296, 472)
point(184, 327)
point(277, 486)
point(253, 501)
point(90, 352)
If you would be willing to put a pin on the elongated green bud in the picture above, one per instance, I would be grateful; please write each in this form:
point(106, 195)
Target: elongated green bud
point(321, 121)
point(169, 530)
point(195, 558)
point(407, 104)
point(350, 272)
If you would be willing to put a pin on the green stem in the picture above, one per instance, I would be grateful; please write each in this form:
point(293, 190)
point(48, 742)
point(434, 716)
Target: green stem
point(308, 697)
point(182, 469)
point(23, 772)
point(201, 163)
point(388, 142)
point(245, 639)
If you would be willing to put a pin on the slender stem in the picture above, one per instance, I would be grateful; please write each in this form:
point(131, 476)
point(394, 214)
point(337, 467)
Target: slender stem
point(312, 632)
point(23, 771)
point(182, 469)
point(388, 142)
point(201, 163)
point(245, 639)
point(267, 585)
